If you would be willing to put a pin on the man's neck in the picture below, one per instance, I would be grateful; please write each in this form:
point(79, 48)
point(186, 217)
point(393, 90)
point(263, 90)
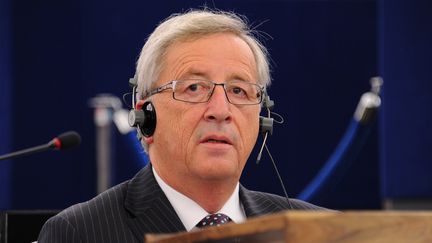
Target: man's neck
point(211, 195)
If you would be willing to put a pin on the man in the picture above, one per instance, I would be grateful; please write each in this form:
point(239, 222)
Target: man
point(200, 82)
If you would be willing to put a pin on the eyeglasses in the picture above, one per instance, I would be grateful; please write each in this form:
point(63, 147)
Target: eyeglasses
point(200, 91)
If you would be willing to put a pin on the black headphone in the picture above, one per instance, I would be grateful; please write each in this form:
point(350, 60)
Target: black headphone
point(143, 114)
point(266, 123)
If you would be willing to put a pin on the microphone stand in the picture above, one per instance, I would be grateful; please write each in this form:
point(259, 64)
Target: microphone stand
point(27, 151)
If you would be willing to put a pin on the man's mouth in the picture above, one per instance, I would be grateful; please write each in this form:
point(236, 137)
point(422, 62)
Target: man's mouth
point(216, 141)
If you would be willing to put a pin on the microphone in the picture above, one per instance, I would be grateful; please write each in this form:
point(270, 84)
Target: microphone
point(261, 149)
point(266, 127)
point(65, 140)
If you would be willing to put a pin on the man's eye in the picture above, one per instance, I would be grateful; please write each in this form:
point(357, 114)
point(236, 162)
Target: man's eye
point(193, 87)
point(238, 90)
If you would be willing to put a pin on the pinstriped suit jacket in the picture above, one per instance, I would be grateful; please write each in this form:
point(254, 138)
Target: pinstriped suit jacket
point(129, 210)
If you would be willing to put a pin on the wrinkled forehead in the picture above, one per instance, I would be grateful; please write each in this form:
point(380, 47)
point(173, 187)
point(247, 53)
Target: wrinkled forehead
point(197, 52)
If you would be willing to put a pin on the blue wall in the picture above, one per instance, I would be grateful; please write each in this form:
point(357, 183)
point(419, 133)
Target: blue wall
point(66, 52)
point(406, 133)
point(5, 98)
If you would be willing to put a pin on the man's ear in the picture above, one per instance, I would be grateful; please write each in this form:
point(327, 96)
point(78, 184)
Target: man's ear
point(148, 140)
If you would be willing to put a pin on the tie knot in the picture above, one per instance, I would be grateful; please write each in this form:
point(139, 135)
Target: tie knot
point(216, 219)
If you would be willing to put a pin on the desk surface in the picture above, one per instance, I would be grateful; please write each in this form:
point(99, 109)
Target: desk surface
point(306, 226)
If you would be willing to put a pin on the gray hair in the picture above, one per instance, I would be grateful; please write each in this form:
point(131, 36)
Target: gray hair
point(195, 24)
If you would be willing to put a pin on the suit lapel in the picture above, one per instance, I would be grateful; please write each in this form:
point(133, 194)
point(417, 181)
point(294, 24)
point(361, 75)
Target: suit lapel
point(150, 210)
point(256, 204)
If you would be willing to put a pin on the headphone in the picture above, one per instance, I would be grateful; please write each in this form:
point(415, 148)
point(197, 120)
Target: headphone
point(143, 114)
point(266, 123)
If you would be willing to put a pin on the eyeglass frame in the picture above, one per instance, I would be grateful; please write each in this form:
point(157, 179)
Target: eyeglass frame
point(172, 83)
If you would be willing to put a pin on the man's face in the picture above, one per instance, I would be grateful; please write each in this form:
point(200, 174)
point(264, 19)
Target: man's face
point(205, 141)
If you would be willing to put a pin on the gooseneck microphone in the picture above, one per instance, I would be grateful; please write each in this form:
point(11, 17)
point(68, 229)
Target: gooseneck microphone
point(65, 140)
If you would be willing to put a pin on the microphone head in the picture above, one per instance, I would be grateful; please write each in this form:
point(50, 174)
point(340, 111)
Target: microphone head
point(67, 140)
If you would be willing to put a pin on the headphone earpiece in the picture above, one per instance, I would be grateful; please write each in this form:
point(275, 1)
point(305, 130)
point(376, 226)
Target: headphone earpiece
point(143, 117)
point(266, 123)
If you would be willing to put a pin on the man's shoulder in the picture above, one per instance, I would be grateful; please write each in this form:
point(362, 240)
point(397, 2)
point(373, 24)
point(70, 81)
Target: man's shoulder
point(88, 221)
point(109, 200)
point(293, 203)
point(264, 202)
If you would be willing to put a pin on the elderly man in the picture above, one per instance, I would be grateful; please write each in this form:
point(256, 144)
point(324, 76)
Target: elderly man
point(200, 81)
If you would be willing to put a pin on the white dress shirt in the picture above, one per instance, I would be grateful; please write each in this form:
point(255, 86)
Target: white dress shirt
point(190, 213)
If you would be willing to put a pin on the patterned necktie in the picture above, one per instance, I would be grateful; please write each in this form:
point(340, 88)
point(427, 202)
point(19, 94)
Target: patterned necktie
point(216, 219)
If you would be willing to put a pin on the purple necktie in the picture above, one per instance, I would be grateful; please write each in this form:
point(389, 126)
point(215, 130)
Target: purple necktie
point(216, 219)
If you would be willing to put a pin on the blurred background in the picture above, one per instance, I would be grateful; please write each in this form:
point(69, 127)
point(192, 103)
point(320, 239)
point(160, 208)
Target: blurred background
point(55, 56)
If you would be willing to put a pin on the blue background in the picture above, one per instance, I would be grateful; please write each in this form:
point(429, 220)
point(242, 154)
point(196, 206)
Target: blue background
point(56, 55)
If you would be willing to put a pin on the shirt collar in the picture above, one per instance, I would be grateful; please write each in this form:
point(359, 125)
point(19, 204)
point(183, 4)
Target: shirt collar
point(190, 213)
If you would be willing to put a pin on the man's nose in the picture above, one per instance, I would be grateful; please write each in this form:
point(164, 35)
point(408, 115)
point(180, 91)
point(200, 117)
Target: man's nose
point(218, 106)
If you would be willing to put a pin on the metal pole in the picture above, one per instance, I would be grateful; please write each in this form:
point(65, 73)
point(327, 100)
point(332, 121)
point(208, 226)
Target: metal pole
point(104, 106)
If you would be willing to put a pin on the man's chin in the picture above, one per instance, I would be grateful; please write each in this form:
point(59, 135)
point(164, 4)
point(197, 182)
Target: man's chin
point(219, 170)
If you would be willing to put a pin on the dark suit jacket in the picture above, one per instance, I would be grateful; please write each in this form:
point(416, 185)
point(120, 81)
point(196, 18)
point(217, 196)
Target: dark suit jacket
point(129, 210)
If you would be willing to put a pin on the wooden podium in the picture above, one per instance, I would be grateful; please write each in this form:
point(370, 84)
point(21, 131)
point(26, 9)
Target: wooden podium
point(307, 226)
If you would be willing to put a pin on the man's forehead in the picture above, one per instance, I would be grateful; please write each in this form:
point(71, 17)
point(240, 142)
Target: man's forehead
point(196, 57)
